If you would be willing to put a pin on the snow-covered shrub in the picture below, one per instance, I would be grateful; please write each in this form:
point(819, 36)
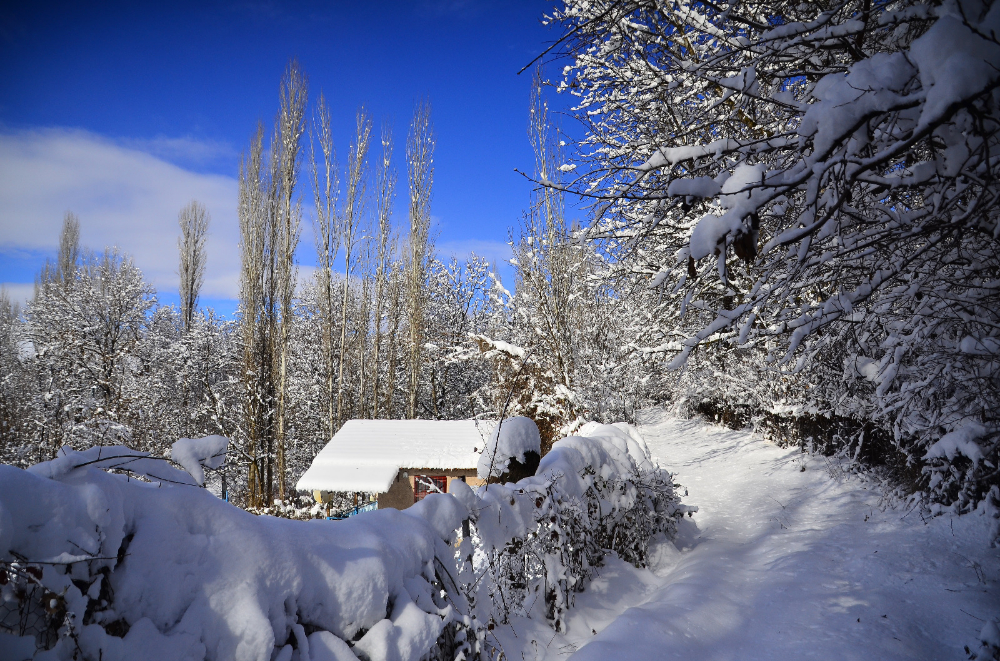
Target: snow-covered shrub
point(144, 563)
point(104, 566)
point(300, 508)
point(536, 542)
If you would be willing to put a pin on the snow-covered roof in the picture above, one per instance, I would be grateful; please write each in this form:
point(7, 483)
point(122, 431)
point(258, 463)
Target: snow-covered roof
point(365, 455)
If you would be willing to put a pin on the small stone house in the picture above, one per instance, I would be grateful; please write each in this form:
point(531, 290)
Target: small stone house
point(400, 461)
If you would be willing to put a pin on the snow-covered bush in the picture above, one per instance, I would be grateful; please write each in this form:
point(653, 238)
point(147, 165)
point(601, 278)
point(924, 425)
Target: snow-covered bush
point(303, 508)
point(143, 563)
point(103, 566)
point(536, 542)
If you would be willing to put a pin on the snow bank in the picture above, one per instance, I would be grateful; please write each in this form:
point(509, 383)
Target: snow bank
point(112, 457)
point(512, 438)
point(137, 571)
point(623, 436)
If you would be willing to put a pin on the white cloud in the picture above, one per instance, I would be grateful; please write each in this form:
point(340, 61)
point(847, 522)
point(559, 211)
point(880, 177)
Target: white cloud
point(184, 151)
point(124, 197)
point(18, 292)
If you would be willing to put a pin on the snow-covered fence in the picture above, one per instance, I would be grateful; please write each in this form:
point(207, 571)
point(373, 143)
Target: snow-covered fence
point(536, 542)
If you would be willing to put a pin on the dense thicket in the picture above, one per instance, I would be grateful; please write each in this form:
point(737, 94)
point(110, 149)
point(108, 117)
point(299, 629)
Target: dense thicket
point(810, 191)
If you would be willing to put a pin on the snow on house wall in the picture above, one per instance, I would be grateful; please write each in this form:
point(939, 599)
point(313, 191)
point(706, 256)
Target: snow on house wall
point(365, 455)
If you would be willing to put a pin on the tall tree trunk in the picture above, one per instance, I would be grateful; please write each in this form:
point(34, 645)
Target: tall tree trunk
point(326, 192)
point(353, 209)
point(420, 168)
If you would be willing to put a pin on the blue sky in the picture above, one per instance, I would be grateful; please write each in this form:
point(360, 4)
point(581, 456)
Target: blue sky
point(122, 112)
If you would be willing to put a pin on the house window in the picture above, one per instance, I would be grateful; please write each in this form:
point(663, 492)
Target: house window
point(425, 484)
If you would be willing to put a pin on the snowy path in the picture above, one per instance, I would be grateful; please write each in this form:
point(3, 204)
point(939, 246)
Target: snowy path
point(781, 563)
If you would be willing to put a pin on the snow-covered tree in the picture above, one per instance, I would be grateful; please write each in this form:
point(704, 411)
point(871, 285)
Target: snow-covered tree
point(85, 334)
point(458, 306)
point(420, 170)
point(269, 228)
point(184, 384)
point(16, 395)
point(558, 345)
point(811, 177)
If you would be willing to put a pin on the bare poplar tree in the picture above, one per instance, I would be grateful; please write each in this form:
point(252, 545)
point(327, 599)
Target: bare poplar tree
point(193, 220)
point(363, 319)
point(291, 126)
point(326, 190)
point(68, 259)
point(385, 195)
point(420, 167)
point(350, 221)
point(395, 286)
point(254, 212)
point(69, 248)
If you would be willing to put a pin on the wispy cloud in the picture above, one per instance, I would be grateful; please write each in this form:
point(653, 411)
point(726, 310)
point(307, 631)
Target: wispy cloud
point(186, 152)
point(18, 292)
point(126, 194)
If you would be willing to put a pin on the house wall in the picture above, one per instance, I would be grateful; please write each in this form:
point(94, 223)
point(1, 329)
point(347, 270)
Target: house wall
point(400, 494)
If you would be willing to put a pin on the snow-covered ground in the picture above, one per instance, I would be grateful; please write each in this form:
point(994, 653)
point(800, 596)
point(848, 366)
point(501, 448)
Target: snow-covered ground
point(780, 563)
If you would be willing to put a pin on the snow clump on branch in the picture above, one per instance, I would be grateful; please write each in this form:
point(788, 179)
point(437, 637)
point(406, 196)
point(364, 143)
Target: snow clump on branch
point(512, 439)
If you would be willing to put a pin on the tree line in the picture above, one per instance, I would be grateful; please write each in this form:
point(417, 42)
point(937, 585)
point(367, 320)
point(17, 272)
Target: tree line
point(383, 328)
point(792, 226)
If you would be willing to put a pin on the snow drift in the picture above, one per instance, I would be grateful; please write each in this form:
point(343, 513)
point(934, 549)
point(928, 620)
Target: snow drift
point(132, 571)
point(106, 566)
